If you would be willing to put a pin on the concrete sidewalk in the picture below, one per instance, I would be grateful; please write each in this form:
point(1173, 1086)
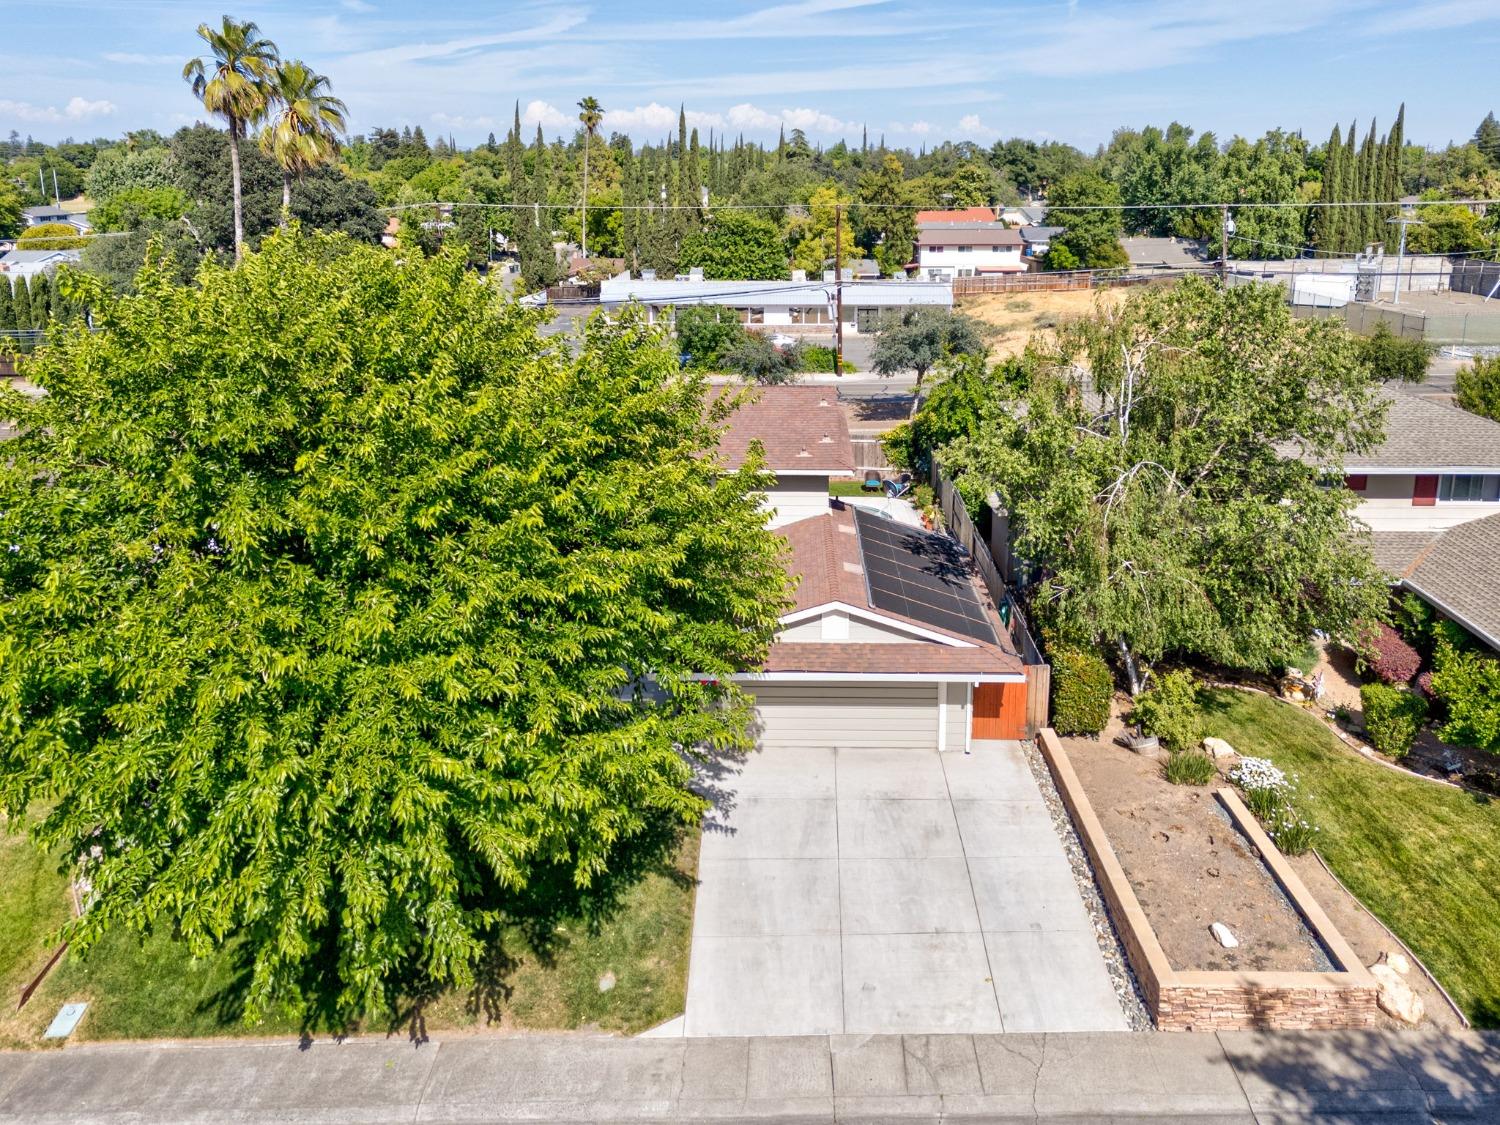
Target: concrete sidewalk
point(1238, 1077)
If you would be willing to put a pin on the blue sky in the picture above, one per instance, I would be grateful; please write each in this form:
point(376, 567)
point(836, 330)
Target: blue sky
point(1071, 70)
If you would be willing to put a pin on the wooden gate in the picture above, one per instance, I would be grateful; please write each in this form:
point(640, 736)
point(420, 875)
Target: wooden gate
point(1000, 710)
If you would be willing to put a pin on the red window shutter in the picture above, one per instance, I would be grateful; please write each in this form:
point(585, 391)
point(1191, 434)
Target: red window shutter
point(1357, 482)
point(1424, 492)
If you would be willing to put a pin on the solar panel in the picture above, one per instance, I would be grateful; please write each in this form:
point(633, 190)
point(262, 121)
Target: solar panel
point(922, 576)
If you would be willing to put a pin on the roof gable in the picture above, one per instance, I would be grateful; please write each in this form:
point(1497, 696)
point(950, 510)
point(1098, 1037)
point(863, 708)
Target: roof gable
point(1422, 434)
point(801, 429)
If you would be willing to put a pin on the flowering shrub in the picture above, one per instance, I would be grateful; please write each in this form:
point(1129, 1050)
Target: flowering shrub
point(1390, 658)
point(1266, 787)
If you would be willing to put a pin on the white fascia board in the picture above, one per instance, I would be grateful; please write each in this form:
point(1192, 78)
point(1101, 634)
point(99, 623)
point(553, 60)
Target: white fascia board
point(881, 677)
point(876, 619)
point(1422, 471)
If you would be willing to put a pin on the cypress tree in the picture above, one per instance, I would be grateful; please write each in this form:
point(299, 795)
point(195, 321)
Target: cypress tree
point(22, 300)
point(1395, 143)
point(1369, 189)
point(1326, 219)
point(41, 301)
point(692, 186)
point(7, 306)
point(1348, 190)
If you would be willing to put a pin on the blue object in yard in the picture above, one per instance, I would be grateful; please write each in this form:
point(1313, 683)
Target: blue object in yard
point(65, 1021)
point(899, 487)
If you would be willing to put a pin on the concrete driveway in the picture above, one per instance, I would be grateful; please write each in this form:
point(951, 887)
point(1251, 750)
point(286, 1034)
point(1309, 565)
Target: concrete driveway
point(889, 891)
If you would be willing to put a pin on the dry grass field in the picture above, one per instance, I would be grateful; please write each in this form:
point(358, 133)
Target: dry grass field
point(1015, 316)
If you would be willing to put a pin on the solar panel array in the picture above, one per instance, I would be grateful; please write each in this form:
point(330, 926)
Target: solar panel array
point(921, 576)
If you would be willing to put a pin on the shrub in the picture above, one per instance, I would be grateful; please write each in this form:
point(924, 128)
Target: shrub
point(1392, 717)
point(707, 334)
point(1293, 834)
point(1265, 786)
point(820, 357)
point(1392, 357)
point(755, 357)
point(1189, 767)
point(1170, 711)
point(1390, 658)
point(1082, 687)
point(51, 236)
point(1478, 387)
point(1468, 686)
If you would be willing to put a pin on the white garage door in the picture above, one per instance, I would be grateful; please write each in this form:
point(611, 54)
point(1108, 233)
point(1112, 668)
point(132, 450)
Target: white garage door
point(847, 715)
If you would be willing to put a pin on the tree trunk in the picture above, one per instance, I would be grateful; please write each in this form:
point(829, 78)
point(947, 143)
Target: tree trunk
point(916, 394)
point(586, 196)
point(286, 198)
point(1136, 682)
point(234, 181)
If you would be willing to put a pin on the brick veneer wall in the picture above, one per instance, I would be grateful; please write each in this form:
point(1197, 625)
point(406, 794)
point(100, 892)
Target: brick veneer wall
point(1220, 1001)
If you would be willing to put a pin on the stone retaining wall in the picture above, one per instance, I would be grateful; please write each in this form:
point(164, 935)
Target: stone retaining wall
point(1220, 1001)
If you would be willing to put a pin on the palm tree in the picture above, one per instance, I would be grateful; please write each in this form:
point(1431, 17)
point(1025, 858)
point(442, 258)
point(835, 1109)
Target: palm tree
point(234, 88)
point(306, 124)
point(592, 113)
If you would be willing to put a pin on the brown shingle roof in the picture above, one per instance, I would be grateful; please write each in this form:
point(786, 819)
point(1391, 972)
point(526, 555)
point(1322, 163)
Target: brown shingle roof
point(802, 429)
point(1460, 574)
point(824, 556)
point(969, 235)
point(965, 215)
point(1397, 551)
point(1422, 434)
point(917, 658)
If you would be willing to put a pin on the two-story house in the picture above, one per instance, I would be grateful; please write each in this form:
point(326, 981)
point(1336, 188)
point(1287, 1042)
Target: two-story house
point(966, 243)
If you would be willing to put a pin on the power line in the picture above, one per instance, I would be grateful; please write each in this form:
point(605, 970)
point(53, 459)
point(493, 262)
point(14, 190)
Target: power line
point(1234, 206)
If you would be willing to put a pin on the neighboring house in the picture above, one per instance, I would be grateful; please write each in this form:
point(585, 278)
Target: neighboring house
point(864, 269)
point(71, 213)
point(1164, 253)
point(1456, 571)
point(799, 303)
point(1029, 215)
point(1438, 467)
point(968, 243)
point(1038, 240)
point(29, 263)
point(804, 436)
point(891, 644)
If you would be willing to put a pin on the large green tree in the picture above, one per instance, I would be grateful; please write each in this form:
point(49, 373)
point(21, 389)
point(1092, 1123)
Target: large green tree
point(1091, 238)
point(919, 338)
point(1477, 386)
point(1167, 470)
point(339, 610)
point(736, 245)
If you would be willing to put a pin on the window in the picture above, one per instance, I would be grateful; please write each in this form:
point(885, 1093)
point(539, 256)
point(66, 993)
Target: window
point(812, 314)
point(751, 316)
point(965, 249)
point(1469, 488)
point(936, 249)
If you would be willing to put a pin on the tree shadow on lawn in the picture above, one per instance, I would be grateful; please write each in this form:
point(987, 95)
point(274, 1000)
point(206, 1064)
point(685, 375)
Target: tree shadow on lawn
point(537, 925)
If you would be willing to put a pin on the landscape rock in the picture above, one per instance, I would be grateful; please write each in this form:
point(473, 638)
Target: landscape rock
point(1223, 936)
point(1396, 998)
point(1397, 961)
point(1219, 748)
point(607, 982)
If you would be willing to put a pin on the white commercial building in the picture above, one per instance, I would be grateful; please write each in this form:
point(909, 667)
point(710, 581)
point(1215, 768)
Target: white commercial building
point(797, 304)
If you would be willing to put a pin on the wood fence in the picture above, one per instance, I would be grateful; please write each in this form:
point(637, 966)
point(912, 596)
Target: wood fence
point(1042, 281)
point(1038, 672)
point(869, 453)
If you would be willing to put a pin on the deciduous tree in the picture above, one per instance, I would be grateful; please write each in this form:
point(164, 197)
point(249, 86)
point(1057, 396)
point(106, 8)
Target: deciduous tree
point(338, 609)
point(1167, 471)
point(920, 337)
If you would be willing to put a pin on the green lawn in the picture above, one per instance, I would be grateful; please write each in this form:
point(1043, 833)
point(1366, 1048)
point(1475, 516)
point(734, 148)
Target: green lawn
point(1425, 858)
point(547, 977)
point(850, 488)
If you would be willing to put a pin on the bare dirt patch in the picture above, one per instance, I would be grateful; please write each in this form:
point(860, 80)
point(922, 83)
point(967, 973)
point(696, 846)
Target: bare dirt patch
point(1190, 867)
point(1015, 316)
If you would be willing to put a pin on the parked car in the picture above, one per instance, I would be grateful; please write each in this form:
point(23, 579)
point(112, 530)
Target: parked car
point(782, 340)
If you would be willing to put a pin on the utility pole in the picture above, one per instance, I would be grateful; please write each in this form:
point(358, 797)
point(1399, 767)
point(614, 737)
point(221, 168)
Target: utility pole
point(838, 289)
point(1403, 221)
point(1224, 244)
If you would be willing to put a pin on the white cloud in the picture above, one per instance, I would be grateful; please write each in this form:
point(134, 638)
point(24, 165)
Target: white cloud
point(921, 128)
point(747, 116)
point(459, 121)
point(77, 109)
point(545, 114)
point(134, 58)
point(1432, 17)
point(357, 5)
point(657, 118)
point(970, 123)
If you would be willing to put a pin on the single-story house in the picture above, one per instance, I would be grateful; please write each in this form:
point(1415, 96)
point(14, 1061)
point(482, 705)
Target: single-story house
point(1026, 215)
point(804, 436)
point(71, 213)
point(1163, 253)
point(1456, 571)
point(796, 303)
point(1438, 467)
point(29, 263)
point(891, 643)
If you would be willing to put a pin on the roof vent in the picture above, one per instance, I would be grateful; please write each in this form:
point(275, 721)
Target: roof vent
point(828, 275)
point(799, 275)
point(648, 275)
point(695, 273)
point(823, 400)
point(804, 452)
point(825, 440)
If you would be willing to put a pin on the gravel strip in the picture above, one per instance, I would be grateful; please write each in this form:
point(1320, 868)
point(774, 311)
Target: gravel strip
point(1120, 974)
